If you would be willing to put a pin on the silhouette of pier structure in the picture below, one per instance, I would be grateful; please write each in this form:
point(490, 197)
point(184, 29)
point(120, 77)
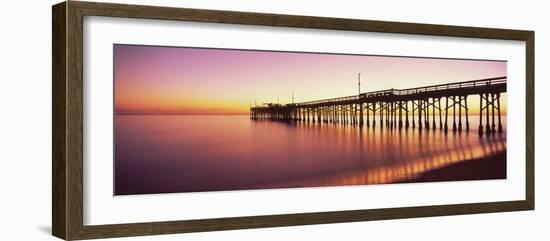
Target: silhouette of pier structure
point(427, 107)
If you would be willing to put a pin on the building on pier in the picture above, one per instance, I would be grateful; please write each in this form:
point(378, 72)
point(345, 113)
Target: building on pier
point(424, 108)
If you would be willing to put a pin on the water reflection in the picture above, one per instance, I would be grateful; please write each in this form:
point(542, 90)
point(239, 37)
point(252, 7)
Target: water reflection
point(398, 155)
point(211, 153)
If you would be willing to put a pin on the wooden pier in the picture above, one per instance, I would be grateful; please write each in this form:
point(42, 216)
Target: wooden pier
point(427, 107)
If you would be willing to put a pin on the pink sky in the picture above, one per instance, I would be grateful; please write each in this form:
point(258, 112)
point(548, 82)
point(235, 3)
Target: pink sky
point(171, 80)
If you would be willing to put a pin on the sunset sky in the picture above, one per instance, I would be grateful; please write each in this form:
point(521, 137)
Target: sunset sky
point(194, 81)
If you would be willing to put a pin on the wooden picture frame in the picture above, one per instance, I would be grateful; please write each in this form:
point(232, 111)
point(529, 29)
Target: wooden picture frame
point(67, 149)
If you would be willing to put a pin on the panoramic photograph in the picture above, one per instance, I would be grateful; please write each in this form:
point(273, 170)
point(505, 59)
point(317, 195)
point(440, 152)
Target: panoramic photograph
point(189, 119)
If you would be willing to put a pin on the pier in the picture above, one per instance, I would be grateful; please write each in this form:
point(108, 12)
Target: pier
point(429, 107)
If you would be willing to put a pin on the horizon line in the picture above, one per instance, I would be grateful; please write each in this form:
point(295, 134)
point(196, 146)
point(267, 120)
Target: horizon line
point(176, 114)
point(472, 114)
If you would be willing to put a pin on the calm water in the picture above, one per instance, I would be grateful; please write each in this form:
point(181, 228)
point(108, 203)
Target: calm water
point(158, 154)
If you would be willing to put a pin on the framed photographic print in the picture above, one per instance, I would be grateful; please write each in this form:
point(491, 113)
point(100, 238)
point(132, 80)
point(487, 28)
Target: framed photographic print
point(171, 120)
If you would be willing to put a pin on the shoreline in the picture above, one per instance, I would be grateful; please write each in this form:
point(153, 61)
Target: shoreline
point(486, 168)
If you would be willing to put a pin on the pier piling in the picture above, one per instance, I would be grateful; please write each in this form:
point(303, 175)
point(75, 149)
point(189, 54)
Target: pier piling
point(393, 110)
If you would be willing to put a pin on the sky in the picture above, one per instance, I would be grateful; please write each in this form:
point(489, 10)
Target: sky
point(200, 81)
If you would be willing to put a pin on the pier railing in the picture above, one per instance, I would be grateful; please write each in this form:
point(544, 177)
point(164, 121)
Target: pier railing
point(410, 91)
point(396, 108)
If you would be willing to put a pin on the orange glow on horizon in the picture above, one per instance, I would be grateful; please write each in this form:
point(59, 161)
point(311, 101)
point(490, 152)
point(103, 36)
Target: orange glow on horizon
point(191, 81)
